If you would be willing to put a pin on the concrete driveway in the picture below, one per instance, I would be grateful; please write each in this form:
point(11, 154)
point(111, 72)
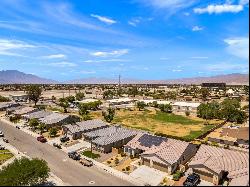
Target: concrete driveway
point(148, 175)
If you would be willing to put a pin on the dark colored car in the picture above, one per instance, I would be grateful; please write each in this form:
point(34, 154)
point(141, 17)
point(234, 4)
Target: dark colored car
point(57, 145)
point(17, 127)
point(86, 162)
point(2, 147)
point(5, 140)
point(74, 155)
point(192, 180)
point(41, 139)
point(64, 139)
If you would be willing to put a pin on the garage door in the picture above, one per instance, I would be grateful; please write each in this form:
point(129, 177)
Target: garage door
point(204, 175)
point(145, 162)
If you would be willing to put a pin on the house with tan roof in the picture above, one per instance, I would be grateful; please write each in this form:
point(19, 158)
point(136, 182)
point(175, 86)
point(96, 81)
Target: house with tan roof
point(164, 154)
point(214, 164)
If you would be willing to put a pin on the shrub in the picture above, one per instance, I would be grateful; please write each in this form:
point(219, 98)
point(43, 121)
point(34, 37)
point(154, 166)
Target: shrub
point(109, 162)
point(127, 168)
point(177, 175)
point(116, 161)
point(123, 169)
point(15, 119)
point(187, 113)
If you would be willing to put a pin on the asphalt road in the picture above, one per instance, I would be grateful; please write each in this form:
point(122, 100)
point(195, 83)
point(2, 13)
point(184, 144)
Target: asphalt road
point(70, 171)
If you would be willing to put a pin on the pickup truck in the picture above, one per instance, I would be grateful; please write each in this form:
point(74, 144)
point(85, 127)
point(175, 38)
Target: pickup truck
point(86, 162)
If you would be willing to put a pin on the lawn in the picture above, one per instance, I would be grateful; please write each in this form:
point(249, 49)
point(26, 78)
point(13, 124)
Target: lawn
point(5, 155)
point(187, 128)
point(90, 155)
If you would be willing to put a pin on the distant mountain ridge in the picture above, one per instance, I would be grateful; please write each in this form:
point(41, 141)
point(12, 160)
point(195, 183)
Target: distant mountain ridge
point(17, 77)
point(230, 79)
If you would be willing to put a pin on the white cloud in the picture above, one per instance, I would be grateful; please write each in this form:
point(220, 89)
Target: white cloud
point(108, 60)
point(169, 4)
point(226, 66)
point(87, 72)
point(55, 56)
point(199, 57)
point(197, 28)
point(176, 70)
point(238, 46)
point(104, 19)
point(164, 58)
point(132, 23)
point(62, 64)
point(244, 2)
point(217, 9)
point(10, 47)
point(116, 53)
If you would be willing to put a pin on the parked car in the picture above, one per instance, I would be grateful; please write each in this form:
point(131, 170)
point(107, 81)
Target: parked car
point(1, 134)
point(192, 180)
point(41, 139)
point(74, 155)
point(64, 139)
point(57, 145)
point(2, 147)
point(86, 162)
point(5, 140)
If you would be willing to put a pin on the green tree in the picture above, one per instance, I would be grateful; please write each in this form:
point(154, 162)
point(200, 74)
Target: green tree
point(108, 94)
point(79, 96)
point(53, 132)
point(41, 127)
point(204, 93)
point(53, 98)
point(4, 99)
point(83, 109)
point(141, 105)
point(64, 104)
point(24, 172)
point(34, 92)
point(70, 99)
point(165, 108)
point(109, 114)
point(34, 123)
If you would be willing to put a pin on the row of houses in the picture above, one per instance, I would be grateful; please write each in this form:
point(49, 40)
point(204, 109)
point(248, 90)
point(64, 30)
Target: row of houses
point(213, 164)
point(50, 119)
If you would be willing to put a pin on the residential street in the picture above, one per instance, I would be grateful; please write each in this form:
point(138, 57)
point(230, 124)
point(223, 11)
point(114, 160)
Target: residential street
point(68, 170)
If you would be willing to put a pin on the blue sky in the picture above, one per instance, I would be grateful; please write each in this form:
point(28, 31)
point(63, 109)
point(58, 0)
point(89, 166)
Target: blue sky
point(141, 39)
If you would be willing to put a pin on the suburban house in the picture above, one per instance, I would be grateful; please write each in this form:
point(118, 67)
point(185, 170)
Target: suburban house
point(181, 106)
point(25, 110)
point(111, 137)
point(19, 98)
point(76, 130)
point(164, 154)
point(215, 164)
point(5, 105)
point(57, 119)
point(231, 136)
point(120, 103)
point(37, 115)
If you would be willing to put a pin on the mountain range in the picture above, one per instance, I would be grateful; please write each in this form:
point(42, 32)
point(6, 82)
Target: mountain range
point(17, 77)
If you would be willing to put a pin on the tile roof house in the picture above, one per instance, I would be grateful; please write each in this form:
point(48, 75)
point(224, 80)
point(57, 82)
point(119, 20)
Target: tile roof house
point(6, 105)
point(57, 119)
point(107, 138)
point(76, 130)
point(231, 136)
point(214, 164)
point(25, 110)
point(182, 106)
point(161, 153)
point(37, 115)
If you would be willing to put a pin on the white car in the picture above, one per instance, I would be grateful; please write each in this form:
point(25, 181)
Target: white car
point(1, 134)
